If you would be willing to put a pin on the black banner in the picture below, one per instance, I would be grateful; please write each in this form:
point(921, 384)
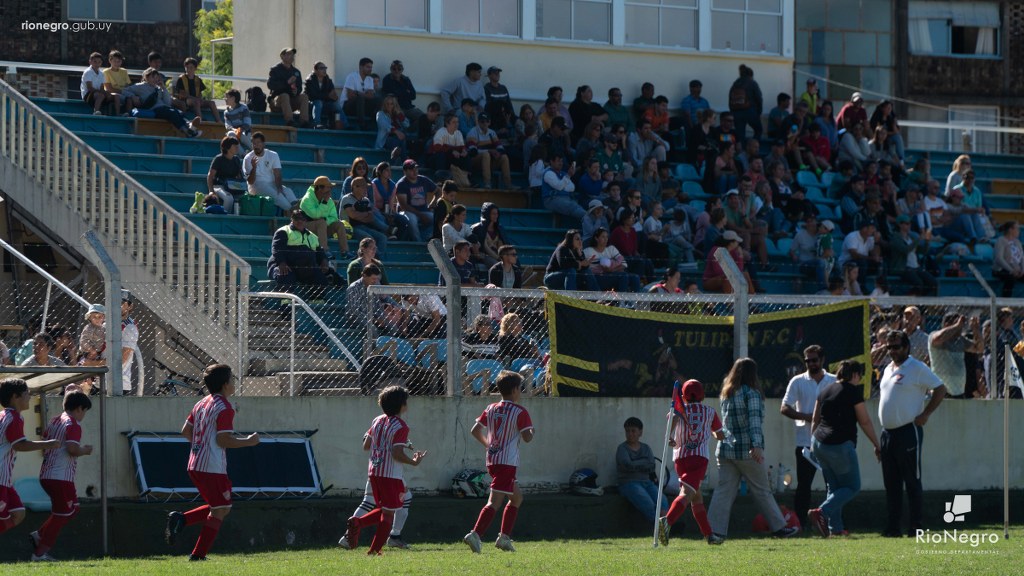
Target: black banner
point(599, 350)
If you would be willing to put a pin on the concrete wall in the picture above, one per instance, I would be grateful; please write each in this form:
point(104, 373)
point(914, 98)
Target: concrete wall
point(962, 445)
point(264, 27)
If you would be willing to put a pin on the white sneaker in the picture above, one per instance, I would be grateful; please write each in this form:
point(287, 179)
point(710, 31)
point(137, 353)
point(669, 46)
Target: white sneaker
point(504, 543)
point(343, 543)
point(473, 541)
point(97, 113)
point(43, 558)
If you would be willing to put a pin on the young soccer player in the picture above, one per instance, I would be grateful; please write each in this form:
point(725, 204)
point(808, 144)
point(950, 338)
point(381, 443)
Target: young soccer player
point(210, 430)
point(499, 429)
point(386, 440)
point(15, 399)
point(369, 504)
point(57, 474)
point(689, 439)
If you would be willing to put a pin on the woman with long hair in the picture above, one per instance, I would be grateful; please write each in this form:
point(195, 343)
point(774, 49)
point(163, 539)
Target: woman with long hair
point(840, 407)
point(742, 454)
point(609, 265)
point(366, 254)
point(385, 200)
point(568, 268)
point(455, 230)
point(827, 121)
point(960, 167)
point(360, 169)
point(391, 126)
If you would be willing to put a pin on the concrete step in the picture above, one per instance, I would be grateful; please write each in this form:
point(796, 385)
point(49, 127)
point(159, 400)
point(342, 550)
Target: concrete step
point(271, 367)
point(1014, 187)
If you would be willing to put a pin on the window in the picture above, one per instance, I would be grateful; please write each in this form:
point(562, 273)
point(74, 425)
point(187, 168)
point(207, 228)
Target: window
point(495, 17)
point(662, 23)
point(747, 25)
point(957, 29)
point(409, 14)
point(586, 20)
point(125, 10)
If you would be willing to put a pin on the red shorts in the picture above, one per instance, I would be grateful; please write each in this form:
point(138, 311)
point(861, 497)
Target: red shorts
point(63, 496)
point(387, 492)
point(503, 478)
point(214, 488)
point(9, 502)
point(691, 470)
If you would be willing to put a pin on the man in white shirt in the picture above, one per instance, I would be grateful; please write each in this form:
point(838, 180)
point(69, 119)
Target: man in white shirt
point(361, 100)
point(859, 245)
point(798, 404)
point(92, 85)
point(262, 169)
point(428, 315)
point(129, 342)
point(909, 393)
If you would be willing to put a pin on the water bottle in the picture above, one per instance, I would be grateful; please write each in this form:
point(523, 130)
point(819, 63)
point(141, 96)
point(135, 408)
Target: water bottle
point(743, 486)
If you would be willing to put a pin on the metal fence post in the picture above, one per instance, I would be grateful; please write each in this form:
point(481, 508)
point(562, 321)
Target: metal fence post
point(993, 342)
point(741, 303)
point(243, 339)
point(112, 279)
point(454, 288)
point(291, 356)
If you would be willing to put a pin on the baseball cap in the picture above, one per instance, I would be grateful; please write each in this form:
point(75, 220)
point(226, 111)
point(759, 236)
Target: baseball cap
point(594, 205)
point(323, 181)
point(409, 164)
point(902, 218)
point(483, 117)
point(493, 69)
point(287, 50)
point(812, 81)
point(732, 236)
point(856, 96)
point(732, 192)
point(828, 225)
point(126, 296)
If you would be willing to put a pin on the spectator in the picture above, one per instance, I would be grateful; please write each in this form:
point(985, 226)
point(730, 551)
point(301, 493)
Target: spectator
point(463, 266)
point(905, 260)
point(91, 87)
point(557, 188)
point(512, 344)
point(817, 150)
point(391, 126)
point(743, 417)
point(323, 95)
point(296, 256)
point(700, 144)
point(456, 230)
point(885, 116)
point(93, 339)
point(679, 237)
point(210, 205)
point(285, 84)
point(366, 255)
point(156, 62)
point(489, 234)
point(527, 122)
point(468, 86)
point(592, 183)
point(649, 184)
point(427, 315)
point(1008, 257)
point(859, 246)
point(555, 92)
point(804, 251)
point(645, 142)
point(637, 466)
point(643, 102)
point(449, 148)
point(612, 165)
point(556, 140)
point(358, 207)
point(617, 113)
point(154, 102)
point(839, 405)
point(946, 348)
point(595, 218)
point(726, 173)
point(704, 221)
point(188, 92)
point(442, 205)
point(913, 325)
point(481, 335)
point(568, 269)
point(853, 114)
point(262, 169)
point(777, 116)
point(612, 199)
point(811, 96)
point(360, 169)
point(625, 238)
point(64, 346)
point(322, 214)
point(115, 80)
point(746, 103)
point(827, 122)
point(589, 143)
point(851, 284)
point(413, 190)
point(960, 167)
point(400, 86)
point(426, 126)
point(385, 201)
point(715, 279)
point(506, 273)
point(361, 99)
point(225, 176)
point(609, 266)
point(854, 147)
point(487, 151)
point(358, 299)
point(42, 345)
point(882, 149)
point(693, 104)
point(658, 116)
point(498, 103)
point(467, 116)
point(237, 118)
point(852, 201)
point(974, 205)
point(751, 151)
point(739, 219)
point(960, 226)
point(670, 284)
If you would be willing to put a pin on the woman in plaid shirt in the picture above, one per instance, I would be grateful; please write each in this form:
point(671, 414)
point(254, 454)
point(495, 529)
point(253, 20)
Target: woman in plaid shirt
point(743, 416)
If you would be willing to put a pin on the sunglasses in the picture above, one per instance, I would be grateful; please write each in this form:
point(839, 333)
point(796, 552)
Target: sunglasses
point(894, 346)
point(811, 360)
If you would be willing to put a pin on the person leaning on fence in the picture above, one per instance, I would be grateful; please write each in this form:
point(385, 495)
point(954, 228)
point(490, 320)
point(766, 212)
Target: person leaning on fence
point(42, 345)
point(296, 256)
point(715, 279)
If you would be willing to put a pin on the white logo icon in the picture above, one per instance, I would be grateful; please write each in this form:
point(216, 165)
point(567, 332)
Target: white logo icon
point(956, 509)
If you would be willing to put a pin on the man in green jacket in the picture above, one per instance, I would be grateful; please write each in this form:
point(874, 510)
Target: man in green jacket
point(323, 214)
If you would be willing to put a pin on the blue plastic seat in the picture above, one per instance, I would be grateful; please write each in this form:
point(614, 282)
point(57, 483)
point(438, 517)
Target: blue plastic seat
point(479, 369)
point(32, 494)
point(686, 172)
point(432, 353)
point(398, 348)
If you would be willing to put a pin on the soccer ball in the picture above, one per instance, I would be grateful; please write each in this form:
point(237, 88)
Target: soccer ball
point(471, 483)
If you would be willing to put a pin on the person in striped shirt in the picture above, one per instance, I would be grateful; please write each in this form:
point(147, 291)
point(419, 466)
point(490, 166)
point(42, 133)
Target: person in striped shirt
point(210, 430)
point(689, 439)
point(499, 429)
point(57, 475)
point(14, 399)
point(387, 441)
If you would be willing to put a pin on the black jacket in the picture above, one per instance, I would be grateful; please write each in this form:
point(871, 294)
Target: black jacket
point(316, 90)
point(278, 80)
point(496, 274)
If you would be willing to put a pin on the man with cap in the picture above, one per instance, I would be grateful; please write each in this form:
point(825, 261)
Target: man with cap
point(129, 342)
point(852, 113)
point(498, 103)
point(468, 86)
point(322, 214)
point(360, 98)
point(414, 193)
point(904, 258)
point(400, 86)
point(285, 84)
point(556, 139)
point(595, 218)
point(487, 151)
point(693, 104)
point(811, 97)
point(296, 256)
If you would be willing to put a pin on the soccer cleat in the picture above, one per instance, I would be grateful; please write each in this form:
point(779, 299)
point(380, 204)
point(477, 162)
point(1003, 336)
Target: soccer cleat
point(33, 539)
point(343, 543)
point(397, 542)
point(663, 531)
point(473, 541)
point(786, 532)
point(819, 522)
point(715, 539)
point(194, 558)
point(175, 524)
point(42, 558)
point(504, 543)
point(350, 541)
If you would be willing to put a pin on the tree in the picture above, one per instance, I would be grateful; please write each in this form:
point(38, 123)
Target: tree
point(210, 25)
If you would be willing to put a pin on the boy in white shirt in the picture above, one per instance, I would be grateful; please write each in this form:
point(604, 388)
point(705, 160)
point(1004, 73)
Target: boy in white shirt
point(92, 84)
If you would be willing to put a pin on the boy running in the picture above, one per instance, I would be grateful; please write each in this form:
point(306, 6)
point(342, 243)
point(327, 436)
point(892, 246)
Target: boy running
point(15, 399)
point(210, 430)
point(690, 452)
point(386, 440)
point(57, 474)
point(499, 429)
point(369, 504)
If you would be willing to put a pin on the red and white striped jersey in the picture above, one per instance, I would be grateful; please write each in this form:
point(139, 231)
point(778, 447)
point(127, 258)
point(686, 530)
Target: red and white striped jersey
point(692, 433)
point(57, 463)
point(12, 430)
point(385, 433)
point(209, 417)
point(505, 422)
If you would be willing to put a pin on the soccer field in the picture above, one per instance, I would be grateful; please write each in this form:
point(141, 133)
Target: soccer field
point(862, 555)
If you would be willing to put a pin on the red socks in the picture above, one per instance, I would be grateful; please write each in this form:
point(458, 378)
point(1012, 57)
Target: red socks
point(701, 515)
point(383, 531)
point(197, 515)
point(677, 508)
point(48, 533)
point(370, 518)
point(207, 536)
point(508, 519)
point(485, 518)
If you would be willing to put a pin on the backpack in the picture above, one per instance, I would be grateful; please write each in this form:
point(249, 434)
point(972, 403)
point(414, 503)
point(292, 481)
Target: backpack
point(256, 99)
point(738, 97)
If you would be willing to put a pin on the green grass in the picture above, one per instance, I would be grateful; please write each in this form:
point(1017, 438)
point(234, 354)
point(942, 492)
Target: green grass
point(861, 555)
